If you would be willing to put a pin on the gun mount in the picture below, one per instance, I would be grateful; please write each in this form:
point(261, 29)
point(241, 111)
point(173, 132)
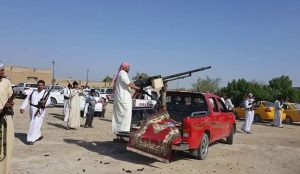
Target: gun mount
point(161, 82)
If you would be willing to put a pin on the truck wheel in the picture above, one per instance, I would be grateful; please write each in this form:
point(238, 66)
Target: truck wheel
point(202, 151)
point(288, 120)
point(229, 139)
point(21, 95)
point(53, 101)
point(257, 118)
point(237, 117)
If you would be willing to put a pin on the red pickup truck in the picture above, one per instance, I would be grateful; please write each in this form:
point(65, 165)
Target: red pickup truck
point(200, 119)
point(204, 119)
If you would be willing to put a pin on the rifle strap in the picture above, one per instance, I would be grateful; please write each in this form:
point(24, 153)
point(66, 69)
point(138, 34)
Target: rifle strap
point(3, 140)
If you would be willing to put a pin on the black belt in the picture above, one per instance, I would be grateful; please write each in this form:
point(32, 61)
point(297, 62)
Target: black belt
point(37, 106)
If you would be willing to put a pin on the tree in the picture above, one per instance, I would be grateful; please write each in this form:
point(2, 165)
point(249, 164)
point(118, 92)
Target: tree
point(282, 87)
point(140, 76)
point(238, 89)
point(107, 79)
point(208, 84)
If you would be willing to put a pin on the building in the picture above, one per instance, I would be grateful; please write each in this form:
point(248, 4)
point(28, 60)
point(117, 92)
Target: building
point(91, 84)
point(18, 74)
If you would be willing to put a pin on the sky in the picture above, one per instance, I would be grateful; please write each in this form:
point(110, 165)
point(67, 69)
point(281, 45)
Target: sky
point(250, 39)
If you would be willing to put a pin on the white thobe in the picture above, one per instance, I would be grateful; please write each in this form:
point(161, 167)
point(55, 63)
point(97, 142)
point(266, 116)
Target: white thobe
point(5, 93)
point(148, 90)
point(277, 114)
point(67, 93)
point(249, 116)
point(36, 121)
point(229, 104)
point(74, 119)
point(122, 106)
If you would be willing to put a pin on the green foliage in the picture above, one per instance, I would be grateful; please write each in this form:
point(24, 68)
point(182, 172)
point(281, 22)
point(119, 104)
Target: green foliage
point(280, 87)
point(140, 76)
point(297, 95)
point(107, 79)
point(208, 84)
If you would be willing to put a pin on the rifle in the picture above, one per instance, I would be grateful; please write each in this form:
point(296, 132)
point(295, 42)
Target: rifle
point(42, 105)
point(7, 110)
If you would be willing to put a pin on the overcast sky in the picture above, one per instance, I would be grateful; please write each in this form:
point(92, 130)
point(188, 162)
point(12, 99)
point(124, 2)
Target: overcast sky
point(256, 40)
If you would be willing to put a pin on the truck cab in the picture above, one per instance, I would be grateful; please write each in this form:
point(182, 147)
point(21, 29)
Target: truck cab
point(203, 119)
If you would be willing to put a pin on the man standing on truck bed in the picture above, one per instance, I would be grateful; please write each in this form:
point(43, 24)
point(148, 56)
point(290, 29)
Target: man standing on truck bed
point(122, 106)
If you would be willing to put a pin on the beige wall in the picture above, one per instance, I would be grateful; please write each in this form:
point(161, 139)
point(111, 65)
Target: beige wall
point(24, 74)
point(92, 84)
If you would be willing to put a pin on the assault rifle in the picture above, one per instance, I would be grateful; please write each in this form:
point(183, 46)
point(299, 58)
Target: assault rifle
point(7, 110)
point(42, 105)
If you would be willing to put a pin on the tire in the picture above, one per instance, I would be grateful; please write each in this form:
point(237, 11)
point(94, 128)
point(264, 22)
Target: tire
point(53, 101)
point(21, 95)
point(288, 120)
point(229, 139)
point(237, 117)
point(202, 151)
point(257, 118)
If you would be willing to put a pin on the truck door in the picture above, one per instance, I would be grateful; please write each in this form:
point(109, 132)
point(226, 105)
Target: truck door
point(216, 120)
point(224, 118)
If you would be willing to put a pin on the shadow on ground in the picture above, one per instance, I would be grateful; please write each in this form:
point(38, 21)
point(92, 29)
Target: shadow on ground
point(118, 151)
point(58, 116)
point(57, 125)
point(22, 137)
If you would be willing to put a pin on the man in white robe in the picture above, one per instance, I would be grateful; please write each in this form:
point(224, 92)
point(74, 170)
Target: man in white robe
point(228, 103)
point(74, 119)
point(248, 104)
point(36, 113)
point(122, 106)
point(278, 114)
point(5, 93)
point(67, 94)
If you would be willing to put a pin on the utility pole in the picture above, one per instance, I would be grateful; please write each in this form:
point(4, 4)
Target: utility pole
point(87, 77)
point(53, 77)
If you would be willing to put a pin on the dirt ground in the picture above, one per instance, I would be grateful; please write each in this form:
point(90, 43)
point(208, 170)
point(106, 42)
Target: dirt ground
point(268, 150)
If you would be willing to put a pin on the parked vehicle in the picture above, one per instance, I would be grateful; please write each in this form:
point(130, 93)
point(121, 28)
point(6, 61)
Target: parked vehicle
point(98, 106)
point(292, 111)
point(201, 118)
point(264, 111)
point(57, 99)
point(55, 87)
point(106, 93)
point(23, 89)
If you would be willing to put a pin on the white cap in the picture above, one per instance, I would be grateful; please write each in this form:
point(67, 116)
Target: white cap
point(250, 95)
point(1, 65)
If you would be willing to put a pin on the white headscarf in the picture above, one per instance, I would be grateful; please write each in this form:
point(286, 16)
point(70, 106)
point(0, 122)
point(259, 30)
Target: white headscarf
point(123, 65)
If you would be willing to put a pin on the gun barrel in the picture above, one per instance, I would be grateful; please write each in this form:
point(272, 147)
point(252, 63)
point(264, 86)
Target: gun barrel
point(167, 78)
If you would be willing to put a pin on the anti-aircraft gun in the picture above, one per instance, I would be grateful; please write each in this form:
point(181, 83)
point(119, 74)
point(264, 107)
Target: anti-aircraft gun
point(159, 82)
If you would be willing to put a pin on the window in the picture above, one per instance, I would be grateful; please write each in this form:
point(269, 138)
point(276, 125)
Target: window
point(221, 106)
point(31, 85)
point(214, 104)
point(188, 100)
point(20, 85)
